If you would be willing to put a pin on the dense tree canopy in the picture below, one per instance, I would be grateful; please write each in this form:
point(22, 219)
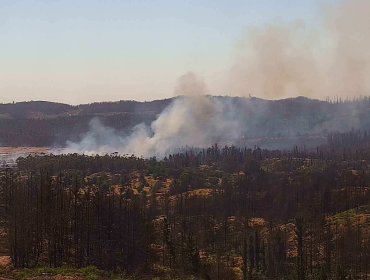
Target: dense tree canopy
point(217, 213)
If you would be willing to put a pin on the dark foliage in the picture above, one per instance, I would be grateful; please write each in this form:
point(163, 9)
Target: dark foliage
point(219, 213)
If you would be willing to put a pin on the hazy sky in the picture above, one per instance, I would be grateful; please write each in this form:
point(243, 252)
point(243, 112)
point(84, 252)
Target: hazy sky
point(79, 51)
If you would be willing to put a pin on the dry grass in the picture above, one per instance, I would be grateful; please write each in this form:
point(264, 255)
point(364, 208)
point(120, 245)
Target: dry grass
point(5, 262)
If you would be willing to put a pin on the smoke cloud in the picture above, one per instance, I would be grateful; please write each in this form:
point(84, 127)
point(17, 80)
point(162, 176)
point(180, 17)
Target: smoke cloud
point(190, 84)
point(275, 61)
point(284, 60)
point(192, 120)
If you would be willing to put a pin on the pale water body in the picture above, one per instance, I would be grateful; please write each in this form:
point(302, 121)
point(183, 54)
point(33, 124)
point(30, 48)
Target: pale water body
point(9, 155)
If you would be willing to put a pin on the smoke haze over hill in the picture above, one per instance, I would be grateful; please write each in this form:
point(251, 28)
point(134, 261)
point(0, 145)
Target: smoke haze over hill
point(200, 121)
point(193, 120)
point(182, 121)
point(275, 61)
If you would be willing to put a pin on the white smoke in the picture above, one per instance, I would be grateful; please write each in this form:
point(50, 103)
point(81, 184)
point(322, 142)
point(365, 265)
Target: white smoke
point(274, 61)
point(192, 120)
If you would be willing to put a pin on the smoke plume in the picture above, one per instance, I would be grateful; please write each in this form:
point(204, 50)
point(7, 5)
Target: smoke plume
point(283, 60)
point(192, 120)
point(275, 61)
point(190, 84)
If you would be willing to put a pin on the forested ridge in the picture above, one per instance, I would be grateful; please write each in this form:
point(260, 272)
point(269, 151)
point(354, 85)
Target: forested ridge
point(44, 109)
point(267, 123)
point(39, 123)
point(215, 213)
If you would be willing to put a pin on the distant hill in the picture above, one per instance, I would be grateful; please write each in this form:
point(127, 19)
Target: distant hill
point(268, 123)
point(47, 110)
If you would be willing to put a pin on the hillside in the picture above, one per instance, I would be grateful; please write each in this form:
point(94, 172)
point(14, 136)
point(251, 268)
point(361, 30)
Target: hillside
point(49, 110)
point(267, 123)
point(39, 123)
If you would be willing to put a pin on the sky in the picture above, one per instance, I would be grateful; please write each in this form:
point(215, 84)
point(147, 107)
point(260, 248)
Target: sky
point(82, 51)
